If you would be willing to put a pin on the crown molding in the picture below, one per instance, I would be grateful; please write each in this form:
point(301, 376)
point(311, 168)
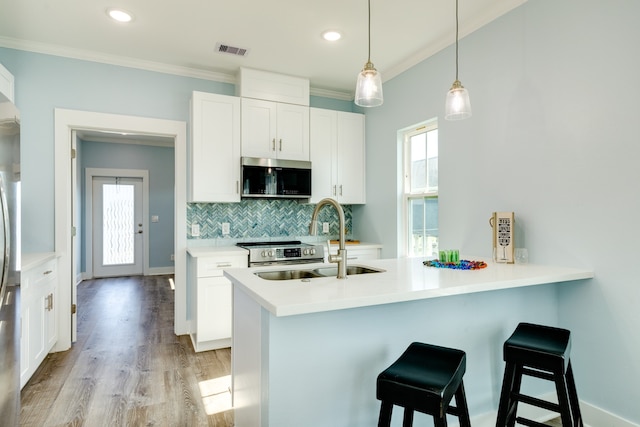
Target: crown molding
point(328, 93)
point(158, 67)
point(123, 61)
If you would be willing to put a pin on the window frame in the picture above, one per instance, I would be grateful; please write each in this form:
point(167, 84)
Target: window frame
point(404, 137)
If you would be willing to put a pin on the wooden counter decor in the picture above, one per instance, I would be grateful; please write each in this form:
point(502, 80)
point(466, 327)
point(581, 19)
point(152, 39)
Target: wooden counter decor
point(463, 264)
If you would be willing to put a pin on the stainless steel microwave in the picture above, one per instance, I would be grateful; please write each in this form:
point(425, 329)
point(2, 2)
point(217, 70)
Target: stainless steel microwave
point(274, 178)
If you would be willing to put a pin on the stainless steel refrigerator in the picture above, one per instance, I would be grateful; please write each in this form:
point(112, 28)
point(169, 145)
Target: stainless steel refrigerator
point(9, 264)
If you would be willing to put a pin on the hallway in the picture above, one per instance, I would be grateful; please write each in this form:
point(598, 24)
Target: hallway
point(128, 368)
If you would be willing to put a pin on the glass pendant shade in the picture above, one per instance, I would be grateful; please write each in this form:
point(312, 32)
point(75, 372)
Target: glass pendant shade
point(458, 105)
point(369, 87)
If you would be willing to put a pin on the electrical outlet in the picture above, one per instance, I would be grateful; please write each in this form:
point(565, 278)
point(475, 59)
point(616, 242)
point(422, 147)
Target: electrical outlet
point(195, 230)
point(155, 218)
point(225, 228)
point(325, 227)
point(172, 257)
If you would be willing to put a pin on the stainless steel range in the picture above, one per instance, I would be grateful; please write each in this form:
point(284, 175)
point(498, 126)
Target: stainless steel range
point(283, 252)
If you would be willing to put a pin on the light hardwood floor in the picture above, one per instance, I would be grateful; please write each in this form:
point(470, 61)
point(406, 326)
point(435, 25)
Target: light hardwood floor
point(128, 368)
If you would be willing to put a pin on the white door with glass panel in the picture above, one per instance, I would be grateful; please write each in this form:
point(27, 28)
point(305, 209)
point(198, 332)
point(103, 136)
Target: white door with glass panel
point(117, 226)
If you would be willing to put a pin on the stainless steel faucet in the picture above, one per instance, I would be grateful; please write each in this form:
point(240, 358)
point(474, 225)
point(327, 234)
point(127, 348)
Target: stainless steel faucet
point(341, 257)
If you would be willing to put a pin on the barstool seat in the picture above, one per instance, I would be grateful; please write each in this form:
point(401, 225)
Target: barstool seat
point(425, 378)
point(541, 352)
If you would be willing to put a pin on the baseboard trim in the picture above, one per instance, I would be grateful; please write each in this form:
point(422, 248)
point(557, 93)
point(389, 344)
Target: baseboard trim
point(592, 415)
point(160, 271)
point(155, 271)
point(597, 417)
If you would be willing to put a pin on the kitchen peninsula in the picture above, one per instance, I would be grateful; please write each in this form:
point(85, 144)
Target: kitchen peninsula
point(308, 352)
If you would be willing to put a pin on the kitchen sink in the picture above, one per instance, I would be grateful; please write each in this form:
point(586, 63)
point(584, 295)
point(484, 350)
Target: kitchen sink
point(315, 273)
point(351, 269)
point(287, 274)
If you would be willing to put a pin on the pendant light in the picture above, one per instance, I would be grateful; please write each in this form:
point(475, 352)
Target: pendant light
point(369, 86)
point(458, 106)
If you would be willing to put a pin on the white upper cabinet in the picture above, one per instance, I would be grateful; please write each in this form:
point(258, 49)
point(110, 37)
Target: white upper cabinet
point(214, 148)
point(337, 153)
point(274, 130)
point(258, 84)
point(6, 85)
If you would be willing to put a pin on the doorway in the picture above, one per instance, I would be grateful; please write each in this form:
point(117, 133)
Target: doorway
point(116, 206)
point(117, 226)
point(66, 123)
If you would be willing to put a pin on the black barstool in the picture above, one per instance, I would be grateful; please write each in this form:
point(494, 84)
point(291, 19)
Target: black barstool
point(425, 378)
point(541, 352)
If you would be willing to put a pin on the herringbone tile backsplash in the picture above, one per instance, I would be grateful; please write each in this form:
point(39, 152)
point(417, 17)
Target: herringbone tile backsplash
point(260, 219)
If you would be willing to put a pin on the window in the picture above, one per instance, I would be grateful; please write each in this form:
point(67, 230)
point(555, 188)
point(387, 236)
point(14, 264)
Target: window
point(420, 194)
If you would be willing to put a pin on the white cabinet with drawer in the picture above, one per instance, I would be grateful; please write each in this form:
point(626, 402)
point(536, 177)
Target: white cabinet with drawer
point(211, 305)
point(39, 297)
point(358, 252)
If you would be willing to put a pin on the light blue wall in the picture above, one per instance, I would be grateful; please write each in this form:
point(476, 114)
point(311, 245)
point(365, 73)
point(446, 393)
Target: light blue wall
point(159, 161)
point(46, 82)
point(332, 104)
point(554, 138)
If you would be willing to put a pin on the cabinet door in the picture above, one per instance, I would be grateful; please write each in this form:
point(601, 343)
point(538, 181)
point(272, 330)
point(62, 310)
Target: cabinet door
point(354, 254)
point(50, 315)
point(25, 319)
point(214, 308)
point(292, 132)
point(215, 148)
point(322, 152)
point(351, 158)
point(259, 128)
point(6, 85)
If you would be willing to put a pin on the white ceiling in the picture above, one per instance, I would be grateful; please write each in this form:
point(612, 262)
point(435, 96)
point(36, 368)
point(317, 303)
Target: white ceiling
point(283, 36)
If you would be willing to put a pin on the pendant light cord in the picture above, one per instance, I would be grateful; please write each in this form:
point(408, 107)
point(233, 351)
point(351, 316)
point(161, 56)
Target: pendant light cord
point(456, 39)
point(369, 27)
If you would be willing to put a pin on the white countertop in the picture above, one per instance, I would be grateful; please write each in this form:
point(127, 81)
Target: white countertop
point(208, 251)
point(31, 260)
point(405, 279)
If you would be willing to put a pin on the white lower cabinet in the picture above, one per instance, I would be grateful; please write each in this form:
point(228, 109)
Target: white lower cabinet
point(360, 252)
point(212, 304)
point(39, 296)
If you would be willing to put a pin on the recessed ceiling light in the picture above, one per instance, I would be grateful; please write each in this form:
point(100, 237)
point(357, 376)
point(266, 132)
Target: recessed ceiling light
point(120, 15)
point(331, 35)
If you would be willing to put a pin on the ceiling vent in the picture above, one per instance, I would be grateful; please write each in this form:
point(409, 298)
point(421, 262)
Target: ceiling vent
point(225, 48)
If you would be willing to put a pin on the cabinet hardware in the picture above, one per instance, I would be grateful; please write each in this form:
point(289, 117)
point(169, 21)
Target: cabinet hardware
point(334, 190)
point(224, 265)
point(341, 189)
point(48, 305)
point(47, 272)
point(237, 186)
point(280, 144)
point(274, 144)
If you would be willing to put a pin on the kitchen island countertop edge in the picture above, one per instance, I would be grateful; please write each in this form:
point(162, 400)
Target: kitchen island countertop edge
point(404, 279)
